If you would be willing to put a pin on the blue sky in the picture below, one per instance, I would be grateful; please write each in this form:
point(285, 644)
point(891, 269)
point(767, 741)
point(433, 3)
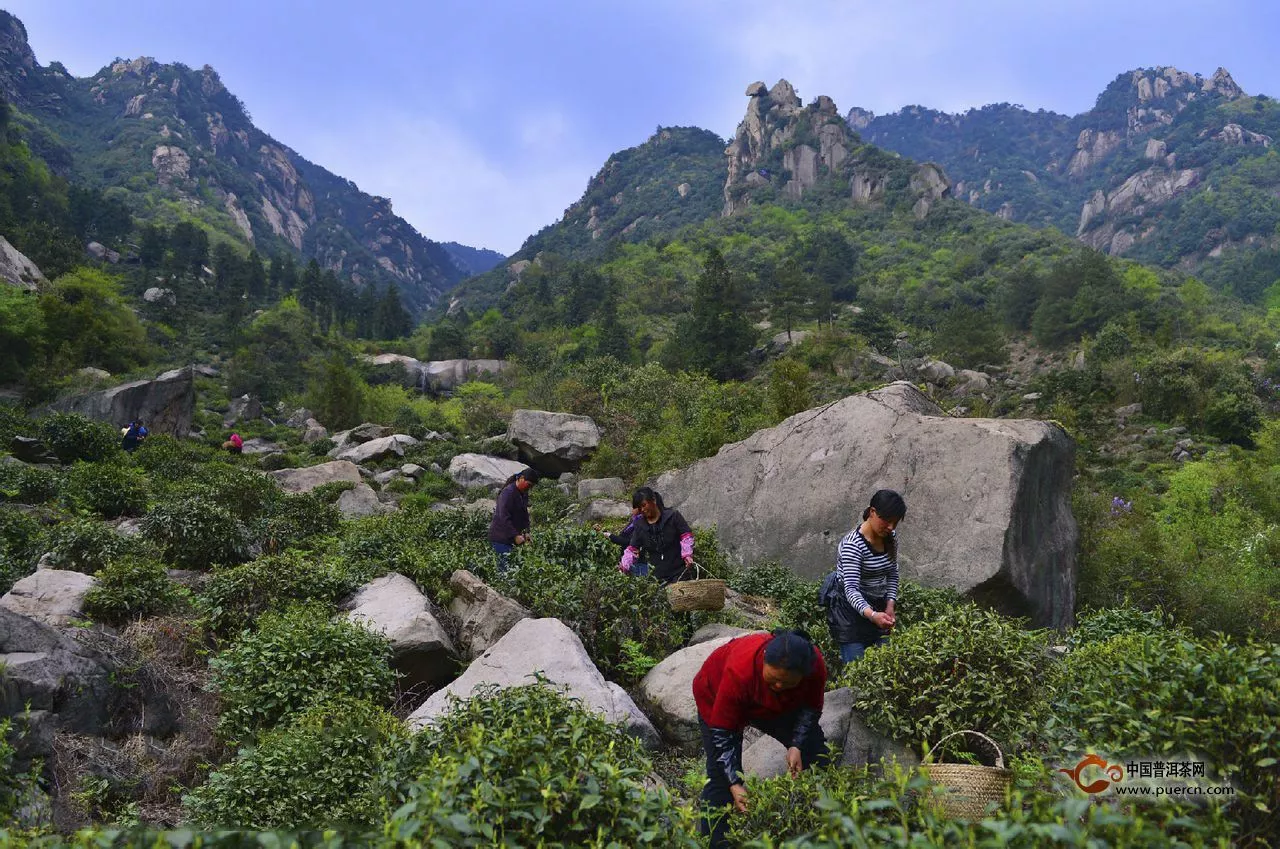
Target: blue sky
point(483, 120)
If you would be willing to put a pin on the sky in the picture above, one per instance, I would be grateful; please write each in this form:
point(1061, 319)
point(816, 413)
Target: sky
point(483, 120)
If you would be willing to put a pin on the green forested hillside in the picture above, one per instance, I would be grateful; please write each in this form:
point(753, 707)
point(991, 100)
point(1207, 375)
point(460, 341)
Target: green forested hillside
point(1167, 168)
point(173, 144)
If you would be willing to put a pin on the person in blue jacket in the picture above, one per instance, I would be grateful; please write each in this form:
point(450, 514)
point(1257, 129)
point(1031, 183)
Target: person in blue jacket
point(133, 435)
point(510, 524)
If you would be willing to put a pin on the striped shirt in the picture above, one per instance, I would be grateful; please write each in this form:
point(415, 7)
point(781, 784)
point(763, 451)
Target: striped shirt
point(864, 572)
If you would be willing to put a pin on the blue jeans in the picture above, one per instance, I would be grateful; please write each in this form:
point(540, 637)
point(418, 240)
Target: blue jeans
point(503, 551)
point(849, 652)
point(639, 570)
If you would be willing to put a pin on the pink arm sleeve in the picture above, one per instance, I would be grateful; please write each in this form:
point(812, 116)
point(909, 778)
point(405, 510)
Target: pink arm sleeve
point(686, 545)
point(628, 557)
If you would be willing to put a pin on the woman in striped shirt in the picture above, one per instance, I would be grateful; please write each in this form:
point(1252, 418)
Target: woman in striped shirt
point(867, 575)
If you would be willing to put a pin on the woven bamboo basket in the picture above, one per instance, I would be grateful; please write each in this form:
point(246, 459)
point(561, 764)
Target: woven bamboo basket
point(699, 594)
point(967, 789)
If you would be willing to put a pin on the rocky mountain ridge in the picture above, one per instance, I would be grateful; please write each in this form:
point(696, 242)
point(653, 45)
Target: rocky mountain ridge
point(163, 134)
point(1142, 174)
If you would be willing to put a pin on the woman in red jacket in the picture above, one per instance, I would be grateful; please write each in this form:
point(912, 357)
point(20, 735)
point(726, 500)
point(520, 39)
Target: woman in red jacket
point(774, 682)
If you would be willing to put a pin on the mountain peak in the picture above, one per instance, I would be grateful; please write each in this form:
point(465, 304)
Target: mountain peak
point(17, 61)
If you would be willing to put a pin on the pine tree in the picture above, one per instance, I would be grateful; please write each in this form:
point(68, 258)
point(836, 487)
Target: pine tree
point(718, 335)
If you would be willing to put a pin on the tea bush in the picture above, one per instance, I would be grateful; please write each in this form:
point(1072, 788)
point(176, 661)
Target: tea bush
point(247, 494)
point(168, 460)
point(1095, 626)
point(28, 484)
point(323, 768)
point(132, 588)
point(797, 598)
point(195, 533)
point(295, 520)
point(526, 767)
point(967, 669)
point(87, 545)
point(295, 657)
point(1144, 695)
point(108, 489)
point(21, 542)
point(236, 595)
point(71, 437)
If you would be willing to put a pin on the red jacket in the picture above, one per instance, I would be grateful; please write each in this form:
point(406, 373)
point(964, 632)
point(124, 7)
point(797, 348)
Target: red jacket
point(730, 689)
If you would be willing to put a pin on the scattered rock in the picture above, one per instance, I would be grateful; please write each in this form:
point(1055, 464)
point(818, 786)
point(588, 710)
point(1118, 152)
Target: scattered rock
point(310, 477)
point(243, 409)
point(485, 614)
point(601, 488)
point(299, 418)
point(602, 510)
point(553, 443)
point(45, 670)
point(378, 449)
point(936, 371)
point(765, 757)
point(862, 745)
point(16, 269)
point(394, 607)
point(28, 449)
point(384, 478)
point(480, 470)
point(54, 597)
point(258, 446)
point(314, 432)
point(668, 690)
point(412, 470)
point(360, 502)
point(549, 647)
point(157, 295)
point(717, 631)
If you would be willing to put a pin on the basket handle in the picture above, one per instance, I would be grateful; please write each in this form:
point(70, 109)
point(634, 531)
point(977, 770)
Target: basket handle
point(999, 754)
point(699, 571)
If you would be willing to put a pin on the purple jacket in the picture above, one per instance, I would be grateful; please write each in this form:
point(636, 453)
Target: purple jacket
point(511, 516)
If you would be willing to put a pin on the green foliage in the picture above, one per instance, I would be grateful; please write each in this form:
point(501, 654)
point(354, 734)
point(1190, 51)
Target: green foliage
point(1162, 694)
point(21, 541)
point(337, 396)
point(71, 437)
point(87, 545)
point(324, 767)
point(524, 766)
point(21, 333)
point(168, 460)
point(967, 669)
point(278, 345)
point(111, 489)
point(87, 323)
point(195, 532)
point(296, 520)
point(1096, 626)
point(292, 659)
point(716, 336)
point(235, 596)
point(131, 588)
point(790, 390)
point(571, 574)
point(28, 484)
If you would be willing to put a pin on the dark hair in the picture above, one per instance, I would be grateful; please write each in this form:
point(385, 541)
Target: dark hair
point(790, 650)
point(889, 506)
point(531, 475)
point(643, 494)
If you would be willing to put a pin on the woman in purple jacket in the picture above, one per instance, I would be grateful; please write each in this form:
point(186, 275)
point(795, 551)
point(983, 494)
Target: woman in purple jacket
point(510, 524)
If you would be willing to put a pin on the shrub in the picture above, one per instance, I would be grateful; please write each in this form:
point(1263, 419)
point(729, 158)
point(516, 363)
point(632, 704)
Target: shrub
point(72, 437)
point(917, 603)
point(196, 533)
point(323, 768)
point(108, 489)
point(21, 540)
point(293, 658)
point(167, 459)
point(237, 595)
point(87, 545)
point(1142, 694)
point(246, 493)
point(28, 484)
point(523, 767)
point(295, 519)
point(131, 588)
point(797, 599)
point(967, 669)
point(1095, 626)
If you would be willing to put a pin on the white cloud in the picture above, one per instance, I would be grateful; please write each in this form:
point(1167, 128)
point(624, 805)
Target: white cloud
point(443, 184)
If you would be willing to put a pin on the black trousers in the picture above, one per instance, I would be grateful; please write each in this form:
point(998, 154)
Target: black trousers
point(715, 793)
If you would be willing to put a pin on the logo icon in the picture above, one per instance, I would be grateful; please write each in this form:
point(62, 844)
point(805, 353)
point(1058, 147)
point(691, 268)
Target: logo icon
point(1114, 773)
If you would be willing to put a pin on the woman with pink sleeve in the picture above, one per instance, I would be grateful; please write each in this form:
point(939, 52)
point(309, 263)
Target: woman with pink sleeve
point(661, 538)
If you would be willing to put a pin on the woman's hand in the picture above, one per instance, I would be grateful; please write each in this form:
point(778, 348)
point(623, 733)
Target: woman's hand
point(794, 762)
point(739, 793)
point(883, 621)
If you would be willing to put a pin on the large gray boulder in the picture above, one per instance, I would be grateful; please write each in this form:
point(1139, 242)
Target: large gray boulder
point(765, 757)
point(481, 470)
point(668, 691)
point(167, 404)
point(601, 488)
point(310, 477)
point(52, 596)
point(243, 409)
point(549, 647)
point(988, 500)
point(16, 269)
point(862, 745)
point(47, 671)
point(553, 443)
point(484, 614)
point(378, 449)
point(361, 502)
point(394, 607)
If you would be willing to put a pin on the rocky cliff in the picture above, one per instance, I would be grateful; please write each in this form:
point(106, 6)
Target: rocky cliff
point(1168, 167)
point(165, 133)
point(785, 152)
